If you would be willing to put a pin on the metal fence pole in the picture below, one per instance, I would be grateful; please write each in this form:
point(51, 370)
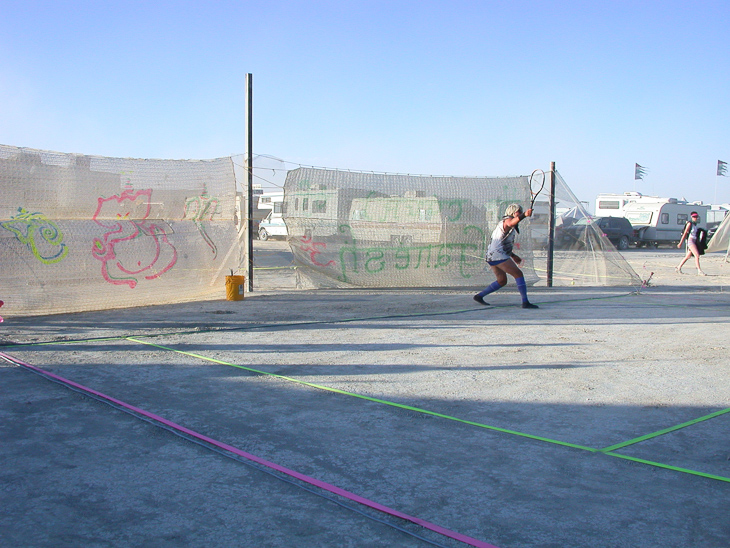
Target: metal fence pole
point(249, 172)
point(551, 227)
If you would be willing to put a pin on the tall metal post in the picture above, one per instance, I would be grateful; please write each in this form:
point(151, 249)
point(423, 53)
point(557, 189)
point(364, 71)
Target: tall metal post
point(551, 227)
point(249, 172)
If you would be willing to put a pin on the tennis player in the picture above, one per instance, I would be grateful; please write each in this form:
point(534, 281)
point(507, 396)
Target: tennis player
point(502, 260)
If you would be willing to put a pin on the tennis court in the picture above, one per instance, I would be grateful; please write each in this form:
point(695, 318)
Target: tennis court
point(372, 418)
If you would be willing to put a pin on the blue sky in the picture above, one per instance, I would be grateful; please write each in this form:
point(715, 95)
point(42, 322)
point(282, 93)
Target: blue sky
point(449, 87)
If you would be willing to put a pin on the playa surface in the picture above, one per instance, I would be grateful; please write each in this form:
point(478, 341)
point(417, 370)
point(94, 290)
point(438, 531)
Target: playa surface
point(376, 418)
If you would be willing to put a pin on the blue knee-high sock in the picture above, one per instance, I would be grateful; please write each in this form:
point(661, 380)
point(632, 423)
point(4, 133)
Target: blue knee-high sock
point(522, 287)
point(494, 286)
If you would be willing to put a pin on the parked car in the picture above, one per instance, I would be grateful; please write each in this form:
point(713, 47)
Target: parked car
point(272, 226)
point(618, 230)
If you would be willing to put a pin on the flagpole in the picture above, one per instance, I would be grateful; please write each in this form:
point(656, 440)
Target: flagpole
point(721, 172)
point(639, 172)
point(636, 178)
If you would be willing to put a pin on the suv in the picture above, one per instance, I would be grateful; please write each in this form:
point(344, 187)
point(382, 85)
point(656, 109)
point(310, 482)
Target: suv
point(618, 230)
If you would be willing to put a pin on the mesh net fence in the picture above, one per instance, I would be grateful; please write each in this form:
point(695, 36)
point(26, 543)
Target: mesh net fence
point(360, 229)
point(82, 232)
point(90, 233)
point(586, 251)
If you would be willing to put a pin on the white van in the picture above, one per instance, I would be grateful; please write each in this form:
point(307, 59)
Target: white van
point(662, 222)
point(272, 225)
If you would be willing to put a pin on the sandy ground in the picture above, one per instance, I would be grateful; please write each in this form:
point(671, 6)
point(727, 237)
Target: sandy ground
point(597, 420)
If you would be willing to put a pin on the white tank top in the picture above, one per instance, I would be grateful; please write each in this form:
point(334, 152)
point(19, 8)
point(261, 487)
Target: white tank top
point(503, 241)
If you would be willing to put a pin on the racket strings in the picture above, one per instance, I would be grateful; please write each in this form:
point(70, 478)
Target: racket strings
point(537, 183)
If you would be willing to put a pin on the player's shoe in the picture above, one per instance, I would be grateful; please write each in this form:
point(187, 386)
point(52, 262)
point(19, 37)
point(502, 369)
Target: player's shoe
point(480, 300)
point(529, 305)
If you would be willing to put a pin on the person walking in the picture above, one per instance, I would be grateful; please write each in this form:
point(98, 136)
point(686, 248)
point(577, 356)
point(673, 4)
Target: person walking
point(691, 233)
point(502, 260)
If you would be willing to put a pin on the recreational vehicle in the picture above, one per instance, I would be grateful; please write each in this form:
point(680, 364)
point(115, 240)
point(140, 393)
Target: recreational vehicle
point(614, 205)
point(662, 222)
point(318, 212)
point(715, 217)
point(409, 219)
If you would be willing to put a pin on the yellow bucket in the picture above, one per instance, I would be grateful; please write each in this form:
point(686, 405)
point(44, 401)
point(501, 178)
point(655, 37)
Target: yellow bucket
point(234, 287)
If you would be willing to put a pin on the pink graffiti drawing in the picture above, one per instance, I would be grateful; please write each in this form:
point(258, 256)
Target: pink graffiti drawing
point(1, 318)
point(132, 246)
point(313, 251)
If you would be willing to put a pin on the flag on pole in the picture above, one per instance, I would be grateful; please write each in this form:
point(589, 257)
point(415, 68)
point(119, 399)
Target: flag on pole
point(639, 172)
point(721, 168)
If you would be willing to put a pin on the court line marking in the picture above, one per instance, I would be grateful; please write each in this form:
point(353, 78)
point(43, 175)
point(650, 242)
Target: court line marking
point(607, 451)
point(234, 450)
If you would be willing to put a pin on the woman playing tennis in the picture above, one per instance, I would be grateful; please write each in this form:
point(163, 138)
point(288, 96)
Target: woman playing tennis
point(500, 257)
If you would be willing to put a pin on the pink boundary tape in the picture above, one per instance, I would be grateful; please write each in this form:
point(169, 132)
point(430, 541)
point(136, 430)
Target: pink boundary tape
point(312, 481)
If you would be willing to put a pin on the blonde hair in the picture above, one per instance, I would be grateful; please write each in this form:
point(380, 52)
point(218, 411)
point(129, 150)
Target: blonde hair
point(512, 209)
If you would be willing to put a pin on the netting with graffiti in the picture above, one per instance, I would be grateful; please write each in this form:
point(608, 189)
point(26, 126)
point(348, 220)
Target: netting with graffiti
point(90, 233)
point(383, 230)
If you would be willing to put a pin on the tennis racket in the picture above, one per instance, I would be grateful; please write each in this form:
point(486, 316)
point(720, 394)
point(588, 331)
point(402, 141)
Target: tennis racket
point(537, 183)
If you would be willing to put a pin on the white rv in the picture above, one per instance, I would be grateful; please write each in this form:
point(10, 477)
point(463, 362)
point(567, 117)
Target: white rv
point(614, 205)
point(317, 211)
point(662, 222)
point(410, 219)
point(716, 216)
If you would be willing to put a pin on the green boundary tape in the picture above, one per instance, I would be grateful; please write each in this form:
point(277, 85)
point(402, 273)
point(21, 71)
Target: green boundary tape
point(606, 451)
point(665, 431)
point(670, 467)
point(362, 397)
